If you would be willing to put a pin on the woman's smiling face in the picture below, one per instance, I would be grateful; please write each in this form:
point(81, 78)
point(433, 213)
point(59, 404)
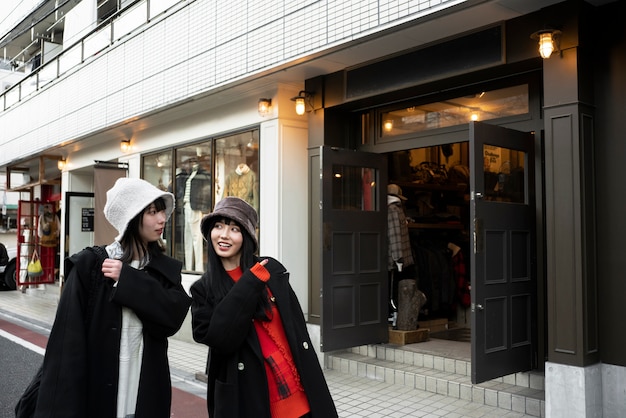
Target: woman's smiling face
point(227, 240)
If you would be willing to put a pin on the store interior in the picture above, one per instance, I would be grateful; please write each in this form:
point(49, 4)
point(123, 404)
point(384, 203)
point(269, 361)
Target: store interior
point(435, 182)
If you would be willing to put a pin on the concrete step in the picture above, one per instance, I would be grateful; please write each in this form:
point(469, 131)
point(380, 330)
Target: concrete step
point(520, 392)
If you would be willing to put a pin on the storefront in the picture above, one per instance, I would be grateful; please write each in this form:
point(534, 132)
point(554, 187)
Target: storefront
point(432, 149)
point(523, 203)
point(510, 157)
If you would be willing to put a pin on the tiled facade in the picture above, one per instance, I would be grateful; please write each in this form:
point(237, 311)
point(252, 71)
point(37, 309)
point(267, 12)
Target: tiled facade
point(193, 48)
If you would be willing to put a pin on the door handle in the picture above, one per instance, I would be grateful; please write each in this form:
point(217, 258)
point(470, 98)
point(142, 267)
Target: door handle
point(477, 195)
point(478, 235)
point(477, 307)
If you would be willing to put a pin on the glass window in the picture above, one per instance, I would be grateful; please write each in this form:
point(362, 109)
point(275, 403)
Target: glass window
point(237, 167)
point(484, 105)
point(505, 177)
point(199, 175)
point(354, 188)
point(194, 197)
point(185, 172)
point(157, 169)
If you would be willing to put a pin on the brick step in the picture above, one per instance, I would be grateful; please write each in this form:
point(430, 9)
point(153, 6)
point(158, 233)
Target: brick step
point(521, 392)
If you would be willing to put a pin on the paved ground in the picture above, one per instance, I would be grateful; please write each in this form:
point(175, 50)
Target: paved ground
point(355, 397)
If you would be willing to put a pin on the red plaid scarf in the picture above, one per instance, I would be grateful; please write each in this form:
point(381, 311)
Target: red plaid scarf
point(286, 394)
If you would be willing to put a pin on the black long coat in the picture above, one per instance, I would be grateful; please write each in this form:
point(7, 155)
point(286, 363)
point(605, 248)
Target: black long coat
point(237, 384)
point(80, 371)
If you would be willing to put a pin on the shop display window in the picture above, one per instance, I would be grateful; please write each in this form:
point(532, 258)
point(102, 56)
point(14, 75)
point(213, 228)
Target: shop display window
point(237, 167)
point(410, 119)
point(199, 175)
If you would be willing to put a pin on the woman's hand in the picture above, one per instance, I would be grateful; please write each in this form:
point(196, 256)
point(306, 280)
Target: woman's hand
point(263, 262)
point(112, 268)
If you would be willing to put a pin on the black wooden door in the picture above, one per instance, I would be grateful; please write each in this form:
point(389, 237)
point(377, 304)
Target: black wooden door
point(503, 256)
point(354, 248)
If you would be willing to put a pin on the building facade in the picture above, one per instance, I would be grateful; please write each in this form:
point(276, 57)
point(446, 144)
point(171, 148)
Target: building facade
point(509, 156)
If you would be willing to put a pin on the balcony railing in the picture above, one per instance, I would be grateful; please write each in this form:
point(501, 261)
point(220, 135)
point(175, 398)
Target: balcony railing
point(102, 37)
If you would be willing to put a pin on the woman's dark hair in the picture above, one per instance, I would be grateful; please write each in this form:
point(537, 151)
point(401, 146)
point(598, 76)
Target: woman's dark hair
point(218, 278)
point(132, 239)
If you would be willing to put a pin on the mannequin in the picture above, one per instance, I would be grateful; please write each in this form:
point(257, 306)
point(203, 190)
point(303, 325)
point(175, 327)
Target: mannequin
point(48, 231)
point(400, 261)
point(242, 183)
point(196, 203)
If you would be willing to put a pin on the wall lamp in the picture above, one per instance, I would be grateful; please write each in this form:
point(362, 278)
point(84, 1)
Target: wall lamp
point(303, 99)
point(61, 163)
point(548, 41)
point(125, 145)
point(265, 107)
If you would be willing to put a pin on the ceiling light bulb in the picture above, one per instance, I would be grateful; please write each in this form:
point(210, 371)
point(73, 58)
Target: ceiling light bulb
point(546, 45)
point(264, 107)
point(300, 108)
point(125, 146)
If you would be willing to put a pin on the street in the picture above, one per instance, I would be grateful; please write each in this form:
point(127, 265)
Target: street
point(22, 347)
point(18, 364)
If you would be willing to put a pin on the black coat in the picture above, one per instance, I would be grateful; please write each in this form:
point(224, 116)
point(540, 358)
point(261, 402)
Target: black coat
point(237, 384)
point(80, 371)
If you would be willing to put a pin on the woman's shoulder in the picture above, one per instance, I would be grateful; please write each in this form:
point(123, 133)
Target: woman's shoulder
point(200, 287)
point(82, 260)
point(86, 255)
point(200, 283)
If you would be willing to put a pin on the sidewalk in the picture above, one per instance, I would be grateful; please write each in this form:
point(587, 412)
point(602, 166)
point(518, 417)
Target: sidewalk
point(355, 397)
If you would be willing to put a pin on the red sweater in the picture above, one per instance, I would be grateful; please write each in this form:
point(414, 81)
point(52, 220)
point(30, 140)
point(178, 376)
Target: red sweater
point(287, 397)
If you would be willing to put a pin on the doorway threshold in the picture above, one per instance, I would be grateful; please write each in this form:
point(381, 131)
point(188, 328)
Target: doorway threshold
point(457, 350)
point(442, 367)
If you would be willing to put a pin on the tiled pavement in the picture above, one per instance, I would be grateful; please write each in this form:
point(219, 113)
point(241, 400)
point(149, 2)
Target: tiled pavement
point(354, 396)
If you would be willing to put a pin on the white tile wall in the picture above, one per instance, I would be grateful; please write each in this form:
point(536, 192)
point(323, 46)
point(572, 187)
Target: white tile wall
point(191, 50)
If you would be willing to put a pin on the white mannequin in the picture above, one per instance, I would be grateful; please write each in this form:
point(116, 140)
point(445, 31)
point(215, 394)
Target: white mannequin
point(193, 236)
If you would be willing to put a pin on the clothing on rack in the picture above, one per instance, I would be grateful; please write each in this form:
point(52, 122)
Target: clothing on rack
point(242, 183)
point(459, 270)
point(443, 275)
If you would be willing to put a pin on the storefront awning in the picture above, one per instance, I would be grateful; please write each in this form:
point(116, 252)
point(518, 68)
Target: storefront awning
point(37, 171)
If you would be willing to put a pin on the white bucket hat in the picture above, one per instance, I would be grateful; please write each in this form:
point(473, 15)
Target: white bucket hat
point(128, 198)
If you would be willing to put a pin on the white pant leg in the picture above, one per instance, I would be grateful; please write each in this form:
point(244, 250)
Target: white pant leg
point(193, 239)
point(196, 233)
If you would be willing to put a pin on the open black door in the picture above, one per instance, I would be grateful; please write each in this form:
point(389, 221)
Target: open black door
point(503, 258)
point(354, 248)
